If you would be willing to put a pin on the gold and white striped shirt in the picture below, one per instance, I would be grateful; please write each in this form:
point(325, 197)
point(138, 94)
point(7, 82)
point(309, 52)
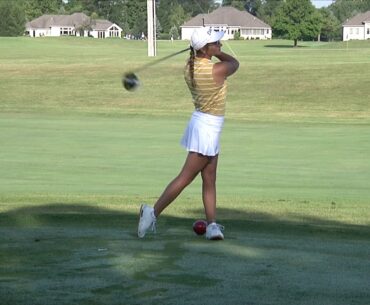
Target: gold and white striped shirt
point(208, 97)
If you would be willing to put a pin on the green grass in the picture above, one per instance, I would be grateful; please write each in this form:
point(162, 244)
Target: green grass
point(79, 154)
point(275, 82)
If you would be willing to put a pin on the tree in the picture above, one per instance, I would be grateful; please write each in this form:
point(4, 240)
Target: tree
point(135, 15)
point(36, 8)
point(251, 6)
point(195, 7)
point(330, 26)
point(177, 17)
point(344, 9)
point(235, 3)
point(268, 9)
point(75, 6)
point(174, 32)
point(12, 19)
point(164, 10)
point(116, 12)
point(297, 19)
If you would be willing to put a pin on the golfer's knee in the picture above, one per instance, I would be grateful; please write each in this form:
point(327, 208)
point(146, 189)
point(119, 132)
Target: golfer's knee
point(209, 184)
point(184, 181)
point(209, 177)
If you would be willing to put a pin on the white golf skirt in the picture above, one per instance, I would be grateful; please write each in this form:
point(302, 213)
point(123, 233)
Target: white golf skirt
point(202, 135)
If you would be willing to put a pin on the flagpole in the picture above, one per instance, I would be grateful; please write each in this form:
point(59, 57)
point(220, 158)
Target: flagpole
point(152, 43)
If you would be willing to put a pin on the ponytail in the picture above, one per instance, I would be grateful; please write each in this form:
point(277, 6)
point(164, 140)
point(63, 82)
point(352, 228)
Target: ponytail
point(191, 65)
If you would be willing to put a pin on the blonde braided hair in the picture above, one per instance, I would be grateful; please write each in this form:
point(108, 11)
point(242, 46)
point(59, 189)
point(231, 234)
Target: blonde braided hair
point(191, 65)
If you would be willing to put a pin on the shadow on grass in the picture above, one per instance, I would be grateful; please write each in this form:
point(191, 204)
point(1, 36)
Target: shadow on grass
point(81, 254)
point(293, 224)
point(83, 214)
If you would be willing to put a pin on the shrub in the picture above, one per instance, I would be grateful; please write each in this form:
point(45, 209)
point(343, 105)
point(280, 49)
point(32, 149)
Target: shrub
point(164, 36)
point(237, 35)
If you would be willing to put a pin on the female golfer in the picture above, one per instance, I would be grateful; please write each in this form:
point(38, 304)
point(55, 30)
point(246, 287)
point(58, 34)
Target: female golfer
point(207, 84)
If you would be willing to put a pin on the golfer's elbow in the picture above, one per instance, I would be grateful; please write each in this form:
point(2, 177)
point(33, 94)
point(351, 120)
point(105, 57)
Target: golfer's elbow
point(234, 66)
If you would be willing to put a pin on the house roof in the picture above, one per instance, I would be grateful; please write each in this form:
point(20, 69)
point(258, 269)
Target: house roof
point(359, 19)
point(74, 20)
point(101, 24)
point(46, 21)
point(229, 16)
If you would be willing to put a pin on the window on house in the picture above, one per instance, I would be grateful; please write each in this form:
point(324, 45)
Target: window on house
point(257, 31)
point(368, 31)
point(66, 31)
point(113, 32)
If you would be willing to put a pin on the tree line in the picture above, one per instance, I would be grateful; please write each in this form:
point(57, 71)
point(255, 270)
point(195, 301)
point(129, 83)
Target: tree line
point(291, 19)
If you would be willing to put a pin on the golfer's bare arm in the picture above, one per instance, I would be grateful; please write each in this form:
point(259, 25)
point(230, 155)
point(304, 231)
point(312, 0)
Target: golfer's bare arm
point(225, 67)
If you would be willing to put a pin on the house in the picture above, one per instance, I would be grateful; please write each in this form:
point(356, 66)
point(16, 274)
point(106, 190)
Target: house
point(77, 24)
point(230, 20)
point(357, 28)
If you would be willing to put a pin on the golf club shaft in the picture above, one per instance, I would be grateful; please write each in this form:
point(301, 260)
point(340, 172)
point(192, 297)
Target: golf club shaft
point(159, 60)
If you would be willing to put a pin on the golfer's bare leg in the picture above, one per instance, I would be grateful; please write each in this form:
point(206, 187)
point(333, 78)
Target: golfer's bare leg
point(193, 165)
point(209, 188)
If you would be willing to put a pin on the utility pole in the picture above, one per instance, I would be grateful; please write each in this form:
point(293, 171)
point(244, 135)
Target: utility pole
point(152, 41)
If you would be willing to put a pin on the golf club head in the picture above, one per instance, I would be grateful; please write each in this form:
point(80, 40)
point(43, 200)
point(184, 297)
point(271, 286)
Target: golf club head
point(130, 81)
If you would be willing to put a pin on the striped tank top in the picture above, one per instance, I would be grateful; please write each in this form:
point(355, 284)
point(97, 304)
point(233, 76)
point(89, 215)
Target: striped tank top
point(208, 97)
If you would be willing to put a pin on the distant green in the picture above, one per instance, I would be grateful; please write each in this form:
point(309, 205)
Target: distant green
point(316, 81)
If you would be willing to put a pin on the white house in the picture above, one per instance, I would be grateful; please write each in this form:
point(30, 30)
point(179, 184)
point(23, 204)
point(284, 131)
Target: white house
point(230, 20)
point(357, 28)
point(77, 24)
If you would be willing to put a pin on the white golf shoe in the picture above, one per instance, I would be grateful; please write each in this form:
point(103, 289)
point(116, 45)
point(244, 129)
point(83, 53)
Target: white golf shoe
point(147, 220)
point(213, 231)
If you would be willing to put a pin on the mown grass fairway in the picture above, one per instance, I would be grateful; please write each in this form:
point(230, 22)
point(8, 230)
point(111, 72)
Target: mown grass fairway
point(79, 154)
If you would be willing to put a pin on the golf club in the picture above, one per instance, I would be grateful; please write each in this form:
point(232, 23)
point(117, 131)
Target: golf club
point(129, 79)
